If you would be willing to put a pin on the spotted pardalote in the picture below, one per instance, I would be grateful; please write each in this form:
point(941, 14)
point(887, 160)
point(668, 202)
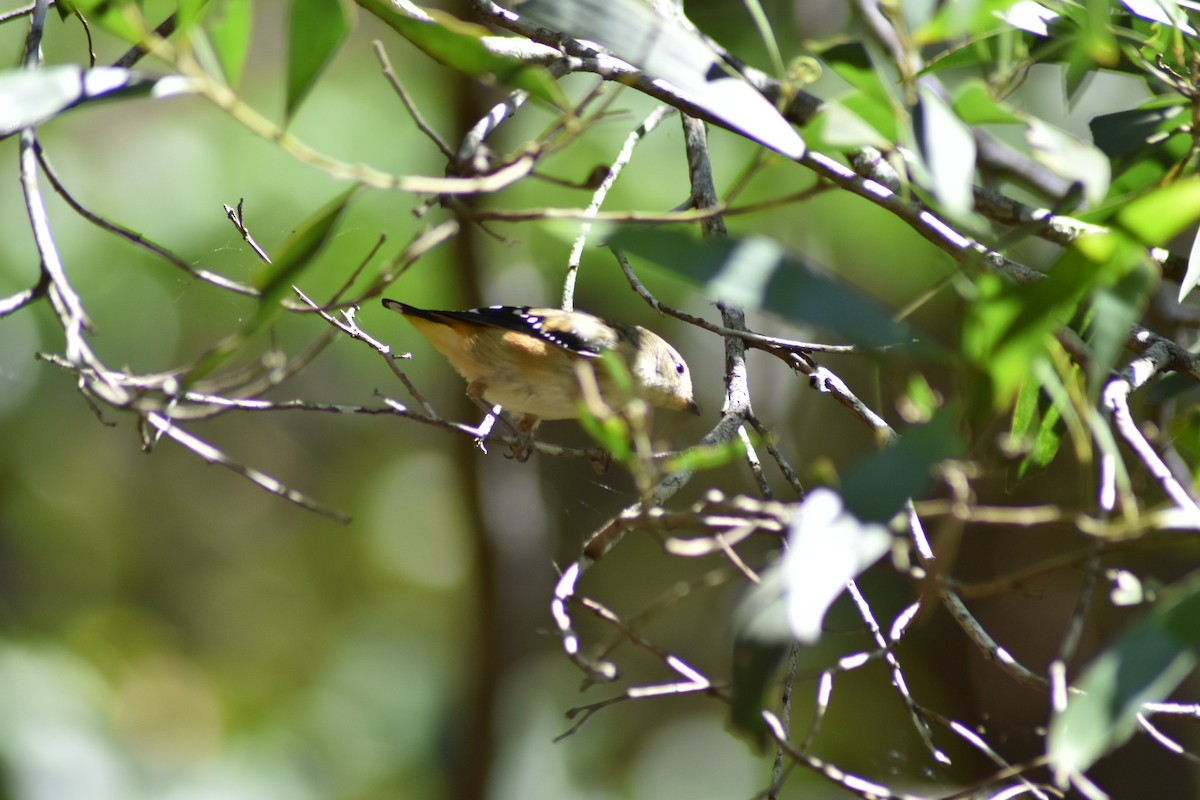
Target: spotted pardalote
point(526, 359)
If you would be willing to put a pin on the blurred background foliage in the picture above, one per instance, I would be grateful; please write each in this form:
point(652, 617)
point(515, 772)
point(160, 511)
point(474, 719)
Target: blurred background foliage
point(172, 631)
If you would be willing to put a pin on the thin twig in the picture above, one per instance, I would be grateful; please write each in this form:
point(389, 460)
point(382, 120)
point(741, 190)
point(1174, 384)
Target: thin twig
point(619, 163)
point(414, 112)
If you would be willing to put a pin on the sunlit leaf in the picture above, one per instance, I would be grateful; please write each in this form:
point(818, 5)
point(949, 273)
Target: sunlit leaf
point(955, 20)
point(827, 547)
point(459, 45)
point(852, 63)
point(1192, 276)
point(920, 400)
point(189, 14)
point(229, 32)
point(610, 432)
point(316, 30)
point(982, 52)
point(1071, 158)
point(947, 149)
point(30, 97)
point(122, 18)
point(1162, 214)
point(703, 457)
point(1166, 12)
point(1030, 16)
point(840, 125)
point(664, 49)
point(1143, 666)
point(1040, 431)
point(1007, 325)
point(1098, 36)
point(975, 104)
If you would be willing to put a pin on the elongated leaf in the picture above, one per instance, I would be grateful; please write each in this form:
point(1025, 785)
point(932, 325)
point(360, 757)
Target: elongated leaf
point(189, 14)
point(30, 97)
point(1114, 311)
point(1192, 276)
point(1166, 12)
point(761, 637)
point(758, 273)
point(318, 28)
point(827, 548)
point(230, 35)
point(1071, 158)
point(299, 250)
point(290, 259)
point(1008, 326)
point(1143, 666)
point(664, 49)
point(1124, 132)
point(1030, 16)
point(459, 45)
point(855, 121)
point(122, 18)
point(877, 487)
point(975, 104)
point(1040, 430)
point(1162, 214)
point(947, 149)
point(852, 63)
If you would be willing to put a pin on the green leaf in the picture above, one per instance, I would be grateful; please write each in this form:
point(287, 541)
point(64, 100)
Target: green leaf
point(291, 257)
point(757, 272)
point(877, 487)
point(841, 122)
point(1143, 666)
point(852, 63)
point(1114, 311)
point(1162, 214)
point(975, 105)
point(984, 52)
point(458, 45)
point(1040, 432)
point(920, 400)
point(317, 29)
point(298, 251)
point(702, 457)
point(837, 127)
point(1125, 132)
point(189, 14)
point(610, 432)
point(1007, 326)
point(122, 18)
point(947, 150)
point(229, 31)
point(1071, 158)
point(955, 20)
point(761, 637)
point(666, 50)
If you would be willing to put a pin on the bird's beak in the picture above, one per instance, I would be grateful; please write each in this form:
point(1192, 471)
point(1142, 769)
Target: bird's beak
point(692, 407)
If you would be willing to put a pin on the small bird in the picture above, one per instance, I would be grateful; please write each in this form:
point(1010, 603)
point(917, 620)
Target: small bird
point(525, 359)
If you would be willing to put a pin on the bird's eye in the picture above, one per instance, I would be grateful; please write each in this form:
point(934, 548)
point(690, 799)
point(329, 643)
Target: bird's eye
point(680, 368)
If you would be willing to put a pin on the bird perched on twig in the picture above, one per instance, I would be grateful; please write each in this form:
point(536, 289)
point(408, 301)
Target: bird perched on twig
point(527, 359)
